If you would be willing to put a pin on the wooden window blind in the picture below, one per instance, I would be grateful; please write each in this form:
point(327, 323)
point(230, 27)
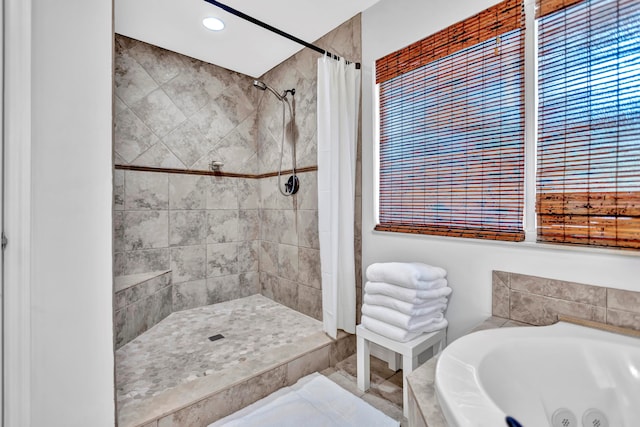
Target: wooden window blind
point(452, 130)
point(589, 122)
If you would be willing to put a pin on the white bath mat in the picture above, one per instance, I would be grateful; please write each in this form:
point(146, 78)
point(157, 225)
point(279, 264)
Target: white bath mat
point(314, 401)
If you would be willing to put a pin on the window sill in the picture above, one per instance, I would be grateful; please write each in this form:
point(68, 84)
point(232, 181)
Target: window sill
point(524, 244)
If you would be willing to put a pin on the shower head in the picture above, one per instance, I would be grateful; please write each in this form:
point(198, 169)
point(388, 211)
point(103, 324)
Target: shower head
point(260, 85)
point(263, 86)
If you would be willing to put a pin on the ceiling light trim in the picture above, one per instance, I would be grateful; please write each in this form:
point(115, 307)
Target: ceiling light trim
point(213, 23)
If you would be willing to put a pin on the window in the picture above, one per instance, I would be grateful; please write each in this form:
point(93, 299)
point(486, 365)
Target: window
point(588, 179)
point(452, 130)
point(452, 126)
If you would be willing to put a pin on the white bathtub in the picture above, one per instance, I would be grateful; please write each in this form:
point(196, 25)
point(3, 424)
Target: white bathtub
point(533, 373)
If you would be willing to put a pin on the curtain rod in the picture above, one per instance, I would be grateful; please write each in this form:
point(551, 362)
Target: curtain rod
point(274, 29)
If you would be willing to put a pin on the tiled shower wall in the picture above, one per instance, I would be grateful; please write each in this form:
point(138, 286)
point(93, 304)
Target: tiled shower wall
point(289, 251)
point(223, 237)
point(177, 112)
point(197, 226)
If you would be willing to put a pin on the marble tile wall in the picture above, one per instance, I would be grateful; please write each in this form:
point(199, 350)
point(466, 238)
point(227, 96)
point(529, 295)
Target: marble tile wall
point(289, 248)
point(177, 112)
point(204, 229)
point(538, 301)
point(222, 238)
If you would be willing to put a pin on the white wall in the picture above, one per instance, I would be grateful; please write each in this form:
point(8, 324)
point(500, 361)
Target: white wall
point(388, 26)
point(71, 295)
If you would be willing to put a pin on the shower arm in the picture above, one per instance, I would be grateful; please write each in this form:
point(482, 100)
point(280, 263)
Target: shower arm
point(263, 86)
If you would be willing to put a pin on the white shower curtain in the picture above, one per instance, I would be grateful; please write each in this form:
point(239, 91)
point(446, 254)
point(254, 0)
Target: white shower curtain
point(338, 105)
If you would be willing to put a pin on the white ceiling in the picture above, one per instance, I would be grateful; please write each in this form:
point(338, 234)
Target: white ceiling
point(242, 46)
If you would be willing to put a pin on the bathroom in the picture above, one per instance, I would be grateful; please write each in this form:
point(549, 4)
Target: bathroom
point(69, 379)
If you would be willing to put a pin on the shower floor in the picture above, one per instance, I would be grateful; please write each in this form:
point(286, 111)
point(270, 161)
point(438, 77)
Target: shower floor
point(174, 363)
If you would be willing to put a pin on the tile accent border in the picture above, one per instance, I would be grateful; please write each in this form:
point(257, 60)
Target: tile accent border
point(214, 173)
point(539, 301)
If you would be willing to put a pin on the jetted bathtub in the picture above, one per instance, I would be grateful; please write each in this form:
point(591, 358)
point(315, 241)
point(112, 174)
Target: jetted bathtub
point(561, 375)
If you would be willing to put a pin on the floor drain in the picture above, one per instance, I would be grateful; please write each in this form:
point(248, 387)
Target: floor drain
point(564, 418)
point(216, 337)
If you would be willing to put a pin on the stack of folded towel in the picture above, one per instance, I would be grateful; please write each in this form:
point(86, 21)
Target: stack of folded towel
point(404, 300)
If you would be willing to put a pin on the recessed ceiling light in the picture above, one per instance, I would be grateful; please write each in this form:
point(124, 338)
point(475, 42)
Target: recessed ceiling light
point(213, 24)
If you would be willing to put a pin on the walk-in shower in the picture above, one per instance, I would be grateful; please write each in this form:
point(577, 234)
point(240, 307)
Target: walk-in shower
point(292, 185)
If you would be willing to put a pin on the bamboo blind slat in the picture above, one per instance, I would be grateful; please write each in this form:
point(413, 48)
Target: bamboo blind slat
point(591, 203)
point(455, 232)
point(589, 122)
point(547, 7)
point(488, 24)
point(452, 130)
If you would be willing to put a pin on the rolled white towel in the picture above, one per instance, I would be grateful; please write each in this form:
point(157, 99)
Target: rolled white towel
point(418, 309)
point(409, 275)
point(413, 296)
point(399, 334)
point(401, 320)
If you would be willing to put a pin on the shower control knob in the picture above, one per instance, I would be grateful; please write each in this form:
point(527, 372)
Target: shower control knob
point(292, 185)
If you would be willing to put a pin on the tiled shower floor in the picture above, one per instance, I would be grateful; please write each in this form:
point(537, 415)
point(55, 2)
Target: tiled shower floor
point(165, 361)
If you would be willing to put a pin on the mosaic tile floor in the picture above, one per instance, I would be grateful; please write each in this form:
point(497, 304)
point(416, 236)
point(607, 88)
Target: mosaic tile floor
point(385, 393)
point(178, 350)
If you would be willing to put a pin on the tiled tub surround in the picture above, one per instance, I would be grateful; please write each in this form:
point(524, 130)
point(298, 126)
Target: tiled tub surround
point(523, 300)
point(538, 301)
point(141, 301)
point(424, 410)
point(173, 375)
